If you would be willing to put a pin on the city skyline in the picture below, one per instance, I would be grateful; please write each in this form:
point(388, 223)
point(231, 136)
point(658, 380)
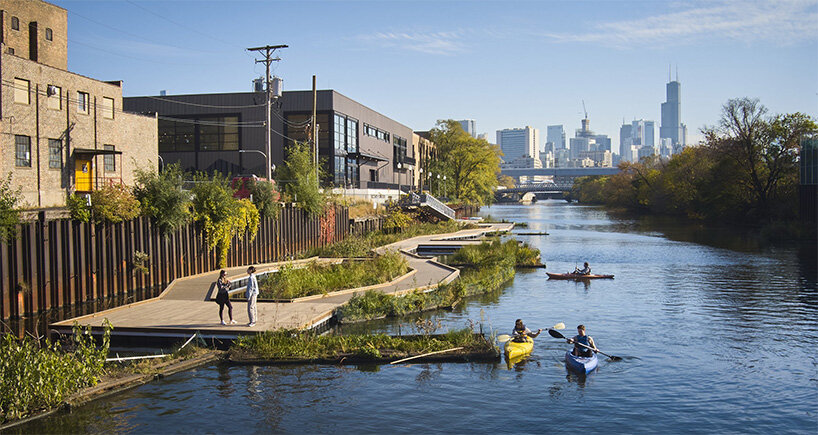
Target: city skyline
point(538, 73)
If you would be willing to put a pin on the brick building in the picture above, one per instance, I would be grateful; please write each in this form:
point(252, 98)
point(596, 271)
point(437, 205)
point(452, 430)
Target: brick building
point(61, 132)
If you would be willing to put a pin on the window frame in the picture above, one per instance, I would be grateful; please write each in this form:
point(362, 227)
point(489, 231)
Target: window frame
point(15, 23)
point(109, 160)
point(108, 112)
point(57, 97)
point(49, 34)
point(54, 144)
point(18, 91)
point(26, 160)
point(83, 102)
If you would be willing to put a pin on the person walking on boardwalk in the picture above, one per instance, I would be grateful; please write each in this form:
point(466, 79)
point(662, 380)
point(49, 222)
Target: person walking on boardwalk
point(581, 338)
point(252, 295)
point(223, 298)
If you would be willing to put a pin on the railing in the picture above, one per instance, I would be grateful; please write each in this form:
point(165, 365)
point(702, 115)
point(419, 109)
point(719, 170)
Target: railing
point(430, 201)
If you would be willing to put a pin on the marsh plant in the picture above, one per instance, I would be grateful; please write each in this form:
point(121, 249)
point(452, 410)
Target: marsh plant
point(495, 251)
point(36, 375)
point(316, 278)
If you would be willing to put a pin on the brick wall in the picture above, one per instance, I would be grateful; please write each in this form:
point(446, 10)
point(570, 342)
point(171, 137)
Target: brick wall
point(52, 52)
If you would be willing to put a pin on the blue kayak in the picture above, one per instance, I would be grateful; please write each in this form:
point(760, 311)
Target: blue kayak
point(579, 364)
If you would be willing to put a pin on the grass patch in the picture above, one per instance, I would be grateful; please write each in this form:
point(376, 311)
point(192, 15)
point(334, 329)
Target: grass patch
point(36, 375)
point(315, 278)
point(309, 345)
point(493, 252)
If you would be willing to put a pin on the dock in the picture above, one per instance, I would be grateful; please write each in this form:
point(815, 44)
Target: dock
point(185, 306)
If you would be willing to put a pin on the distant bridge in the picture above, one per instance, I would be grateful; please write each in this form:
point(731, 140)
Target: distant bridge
point(559, 172)
point(563, 181)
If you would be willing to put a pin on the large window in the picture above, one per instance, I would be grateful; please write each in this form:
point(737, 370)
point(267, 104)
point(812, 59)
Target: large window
point(202, 133)
point(376, 133)
point(55, 154)
point(339, 136)
point(109, 159)
point(352, 135)
point(398, 151)
point(345, 141)
point(22, 151)
point(22, 92)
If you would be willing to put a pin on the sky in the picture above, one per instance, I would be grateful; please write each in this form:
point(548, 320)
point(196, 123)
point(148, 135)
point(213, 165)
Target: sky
point(505, 64)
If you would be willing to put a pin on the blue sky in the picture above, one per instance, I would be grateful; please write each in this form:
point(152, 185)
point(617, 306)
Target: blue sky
point(503, 63)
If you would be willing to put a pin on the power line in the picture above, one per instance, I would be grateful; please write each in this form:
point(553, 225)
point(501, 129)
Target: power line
point(204, 105)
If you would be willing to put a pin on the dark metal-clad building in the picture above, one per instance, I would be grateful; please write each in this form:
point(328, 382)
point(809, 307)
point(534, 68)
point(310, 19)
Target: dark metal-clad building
point(359, 147)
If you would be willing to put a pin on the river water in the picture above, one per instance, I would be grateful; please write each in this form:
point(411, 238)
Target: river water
point(717, 335)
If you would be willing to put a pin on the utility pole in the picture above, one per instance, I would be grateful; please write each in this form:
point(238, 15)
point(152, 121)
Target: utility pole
point(315, 129)
point(268, 50)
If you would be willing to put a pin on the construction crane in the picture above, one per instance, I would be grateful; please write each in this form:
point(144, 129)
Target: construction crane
point(584, 109)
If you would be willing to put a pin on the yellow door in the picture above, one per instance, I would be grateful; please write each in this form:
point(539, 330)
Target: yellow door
point(84, 174)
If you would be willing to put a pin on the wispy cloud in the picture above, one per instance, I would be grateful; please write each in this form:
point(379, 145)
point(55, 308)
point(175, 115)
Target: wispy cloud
point(783, 22)
point(441, 43)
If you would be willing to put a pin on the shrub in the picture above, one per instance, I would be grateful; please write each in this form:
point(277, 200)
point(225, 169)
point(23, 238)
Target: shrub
point(301, 180)
point(9, 215)
point(114, 204)
point(265, 197)
point(78, 207)
point(162, 197)
point(222, 216)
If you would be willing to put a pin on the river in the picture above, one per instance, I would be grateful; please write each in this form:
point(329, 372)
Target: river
point(717, 334)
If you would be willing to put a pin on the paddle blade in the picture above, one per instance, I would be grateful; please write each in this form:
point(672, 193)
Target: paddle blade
point(555, 334)
point(559, 326)
point(615, 358)
point(502, 338)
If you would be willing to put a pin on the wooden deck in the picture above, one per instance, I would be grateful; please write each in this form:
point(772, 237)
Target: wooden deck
point(184, 307)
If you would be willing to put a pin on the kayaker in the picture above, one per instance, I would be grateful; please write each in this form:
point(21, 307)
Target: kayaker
point(520, 331)
point(582, 338)
point(586, 270)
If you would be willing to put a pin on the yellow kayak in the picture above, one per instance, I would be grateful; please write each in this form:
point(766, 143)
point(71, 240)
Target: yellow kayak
point(515, 349)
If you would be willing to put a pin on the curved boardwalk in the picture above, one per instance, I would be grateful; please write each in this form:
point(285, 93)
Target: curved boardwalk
point(183, 308)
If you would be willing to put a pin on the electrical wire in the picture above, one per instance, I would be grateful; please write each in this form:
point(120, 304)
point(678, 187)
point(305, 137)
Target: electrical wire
point(185, 103)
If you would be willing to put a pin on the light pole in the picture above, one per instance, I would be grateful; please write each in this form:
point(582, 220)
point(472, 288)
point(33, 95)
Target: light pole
point(438, 184)
point(445, 187)
point(266, 160)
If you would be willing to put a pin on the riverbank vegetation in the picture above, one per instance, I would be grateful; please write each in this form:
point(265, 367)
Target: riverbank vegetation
point(36, 375)
point(495, 269)
point(494, 252)
point(278, 345)
point(745, 171)
point(317, 278)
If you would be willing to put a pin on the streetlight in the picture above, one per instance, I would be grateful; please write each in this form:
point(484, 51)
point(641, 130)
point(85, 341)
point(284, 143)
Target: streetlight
point(420, 171)
point(438, 184)
point(445, 187)
point(399, 182)
point(272, 165)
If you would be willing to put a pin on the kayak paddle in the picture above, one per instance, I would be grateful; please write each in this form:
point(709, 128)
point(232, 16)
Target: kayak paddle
point(502, 338)
point(557, 334)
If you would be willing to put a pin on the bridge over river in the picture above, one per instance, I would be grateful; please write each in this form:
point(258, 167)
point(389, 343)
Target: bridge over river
point(562, 180)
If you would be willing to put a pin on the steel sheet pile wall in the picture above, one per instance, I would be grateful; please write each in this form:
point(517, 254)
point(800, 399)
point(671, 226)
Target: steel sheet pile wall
point(60, 263)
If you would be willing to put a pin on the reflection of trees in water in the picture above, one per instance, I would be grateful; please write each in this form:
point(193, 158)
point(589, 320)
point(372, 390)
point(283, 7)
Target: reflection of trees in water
point(427, 375)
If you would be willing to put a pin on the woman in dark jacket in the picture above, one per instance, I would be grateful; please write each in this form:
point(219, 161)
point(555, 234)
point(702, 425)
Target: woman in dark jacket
point(222, 298)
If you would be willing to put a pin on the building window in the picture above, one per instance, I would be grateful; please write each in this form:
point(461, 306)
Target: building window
point(22, 92)
point(398, 151)
point(107, 108)
point(22, 151)
point(352, 135)
point(340, 175)
point(55, 154)
point(83, 102)
point(54, 97)
point(15, 23)
point(376, 133)
point(176, 136)
point(109, 159)
point(218, 133)
point(49, 34)
point(338, 135)
point(373, 175)
point(11, 50)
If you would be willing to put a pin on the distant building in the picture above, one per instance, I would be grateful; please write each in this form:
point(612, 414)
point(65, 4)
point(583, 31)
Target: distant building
point(586, 140)
point(626, 142)
point(600, 158)
point(469, 127)
point(672, 127)
point(634, 136)
point(525, 162)
point(555, 135)
point(519, 142)
point(61, 132)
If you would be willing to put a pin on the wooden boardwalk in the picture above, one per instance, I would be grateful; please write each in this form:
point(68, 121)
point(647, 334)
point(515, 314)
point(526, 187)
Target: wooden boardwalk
point(184, 307)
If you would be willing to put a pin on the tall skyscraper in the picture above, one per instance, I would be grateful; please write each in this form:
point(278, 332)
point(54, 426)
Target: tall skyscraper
point(519, 142)
point(625, 142)
point(556, 136)
point(634, 136)
point(469, 126)
point(672, 127)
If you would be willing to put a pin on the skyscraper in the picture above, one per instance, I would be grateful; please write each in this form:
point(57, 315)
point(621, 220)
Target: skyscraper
point(634, 136)
point(469, 126)
point(625, 142)
point(556, 136)
point(672, 127)
point(519, 142)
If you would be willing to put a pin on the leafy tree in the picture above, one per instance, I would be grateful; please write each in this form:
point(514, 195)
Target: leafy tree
point(265, 197)
point(763, 150)
point(222, 216)
point(300, 179)
point(9, 215)
point(162, 197)
point(114, 204)
point(505, 181)
point(78, 207)
point(471, 165)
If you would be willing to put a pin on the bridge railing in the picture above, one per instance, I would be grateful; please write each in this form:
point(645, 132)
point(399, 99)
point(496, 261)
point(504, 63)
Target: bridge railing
point(430, 201)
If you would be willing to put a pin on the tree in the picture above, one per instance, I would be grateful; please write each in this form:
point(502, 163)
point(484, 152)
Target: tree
point(9, 215)
point(764, 151)
point(114, 204)
point(300, 179)
point(162, 197)
point(222, 216)
point(470, 165)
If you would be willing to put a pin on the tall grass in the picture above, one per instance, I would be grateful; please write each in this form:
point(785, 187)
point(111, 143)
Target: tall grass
point(315, 278)
point(495, 251)
point(300, 344)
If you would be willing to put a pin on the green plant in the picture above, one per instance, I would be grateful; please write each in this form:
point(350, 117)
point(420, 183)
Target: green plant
point(300, 179)
point(162, 198)
point(397, 220)
point(78, 207)
point(141, 261)
point(265, 197)
point(222, 216)
point(36, 375)
point(9, 215)
point(113, 204)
